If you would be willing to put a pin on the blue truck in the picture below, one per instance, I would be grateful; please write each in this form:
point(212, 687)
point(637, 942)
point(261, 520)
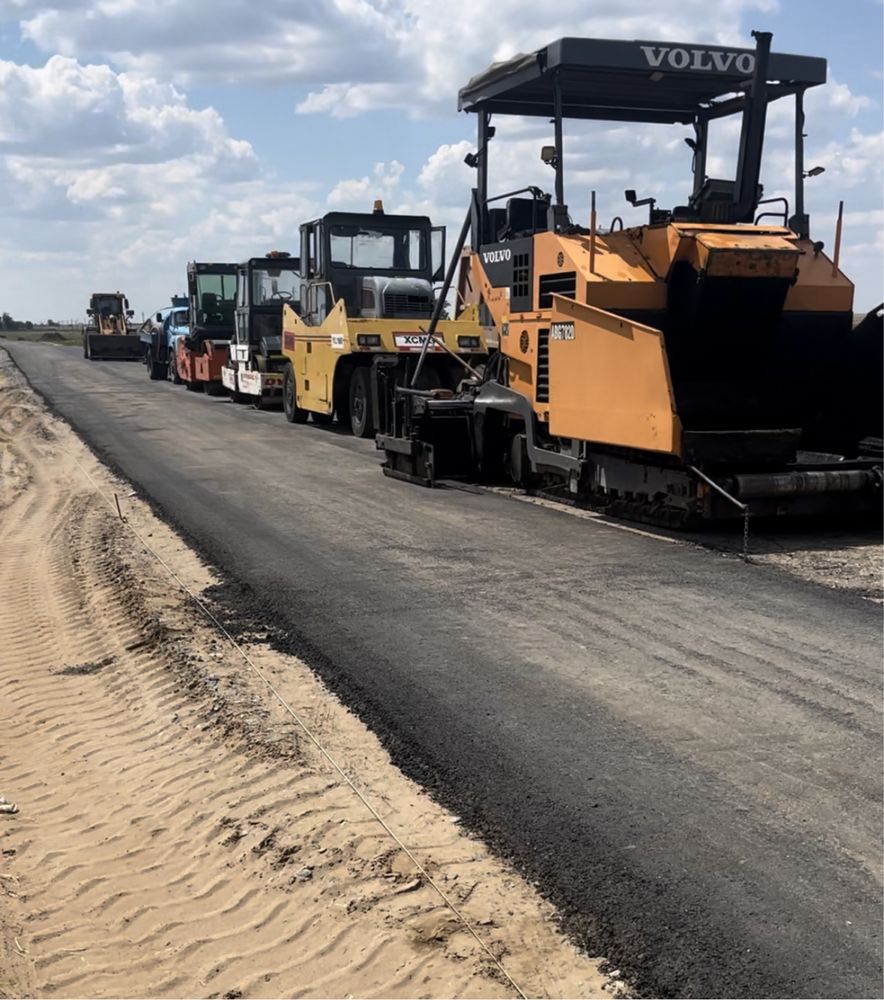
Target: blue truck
point(159, 339)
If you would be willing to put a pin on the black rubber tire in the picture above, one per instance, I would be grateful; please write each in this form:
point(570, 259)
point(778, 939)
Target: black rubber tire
point(86, 346)
point(518, 466)
point(265, 403)
point(172, 370)
point(293, 413)
point(156, 370)
point(361, 412)
point(342, 399)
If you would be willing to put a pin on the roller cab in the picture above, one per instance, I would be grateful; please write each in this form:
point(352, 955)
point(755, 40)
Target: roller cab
point(365, 306)
point(201, 352)
point(255, 365)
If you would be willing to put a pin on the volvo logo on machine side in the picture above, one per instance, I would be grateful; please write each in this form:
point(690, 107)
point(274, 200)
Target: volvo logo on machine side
point(496, 256)
point(561, 331)
point(709, 60)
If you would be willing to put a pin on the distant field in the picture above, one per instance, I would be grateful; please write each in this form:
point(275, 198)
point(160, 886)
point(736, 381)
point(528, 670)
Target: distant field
point(63, 336)
point(68, 336)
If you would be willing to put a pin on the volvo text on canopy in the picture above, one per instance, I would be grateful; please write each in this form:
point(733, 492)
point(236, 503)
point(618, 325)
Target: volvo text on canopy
point(690, 367)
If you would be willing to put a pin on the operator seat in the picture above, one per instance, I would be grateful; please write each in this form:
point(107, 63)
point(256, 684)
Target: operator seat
point(209, 308)
point(525, 216)
point(713, 203)
point(497, 223)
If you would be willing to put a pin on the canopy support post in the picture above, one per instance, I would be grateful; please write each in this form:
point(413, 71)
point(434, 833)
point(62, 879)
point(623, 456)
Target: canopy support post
point(561, 209)
point(800, 221)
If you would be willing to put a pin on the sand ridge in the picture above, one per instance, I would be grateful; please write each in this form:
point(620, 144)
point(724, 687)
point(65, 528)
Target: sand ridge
point(177, 834)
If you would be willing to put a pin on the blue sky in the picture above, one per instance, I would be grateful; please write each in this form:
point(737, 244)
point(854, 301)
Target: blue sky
point(135, 135)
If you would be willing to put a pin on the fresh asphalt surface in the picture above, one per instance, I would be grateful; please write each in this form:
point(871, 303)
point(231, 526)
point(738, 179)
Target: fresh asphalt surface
point(683, 752)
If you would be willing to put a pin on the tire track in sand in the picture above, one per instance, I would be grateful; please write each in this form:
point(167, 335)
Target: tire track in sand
point(158, 852)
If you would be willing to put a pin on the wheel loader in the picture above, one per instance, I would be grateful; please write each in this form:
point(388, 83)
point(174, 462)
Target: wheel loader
point(689, 368)
point(255, 365)
point(109, 336)
point(366, 299)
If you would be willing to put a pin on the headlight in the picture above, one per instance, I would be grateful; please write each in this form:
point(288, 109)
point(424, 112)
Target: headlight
point(368, 339)
point(469, 343)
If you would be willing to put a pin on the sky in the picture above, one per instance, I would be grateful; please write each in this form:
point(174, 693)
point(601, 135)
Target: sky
point(136, 135)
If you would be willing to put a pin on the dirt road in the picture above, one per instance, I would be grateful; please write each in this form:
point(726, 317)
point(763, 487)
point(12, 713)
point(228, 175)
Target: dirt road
point(682, 751)
point(177, 833)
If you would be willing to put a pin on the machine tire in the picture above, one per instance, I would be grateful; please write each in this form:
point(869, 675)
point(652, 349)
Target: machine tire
point(360, 403)
point(86, 353)
point(293, 413)
point(342, 399)
point(518, 465)
point(266, 403)
point(172, 370)
point(156, 370)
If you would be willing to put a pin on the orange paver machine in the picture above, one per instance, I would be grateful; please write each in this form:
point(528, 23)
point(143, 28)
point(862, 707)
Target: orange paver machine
point(688, 368)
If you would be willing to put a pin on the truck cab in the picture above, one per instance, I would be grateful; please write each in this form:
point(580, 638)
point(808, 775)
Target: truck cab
point(264, 285)
point(366, 297)
point(159, 337)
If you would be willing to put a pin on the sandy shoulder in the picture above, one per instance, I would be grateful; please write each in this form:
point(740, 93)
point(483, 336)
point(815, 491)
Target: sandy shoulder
point(177, 833)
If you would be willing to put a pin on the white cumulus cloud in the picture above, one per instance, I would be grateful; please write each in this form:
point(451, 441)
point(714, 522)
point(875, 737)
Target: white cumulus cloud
point(355, 55)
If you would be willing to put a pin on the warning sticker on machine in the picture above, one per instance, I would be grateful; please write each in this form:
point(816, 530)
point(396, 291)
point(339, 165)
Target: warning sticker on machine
point(338, 341)
point(561, 331)
point(413, 342)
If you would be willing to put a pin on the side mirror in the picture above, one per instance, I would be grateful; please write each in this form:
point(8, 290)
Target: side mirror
point(159, 317)
point(90, 312)
point(630, 196)
point(130, 313)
